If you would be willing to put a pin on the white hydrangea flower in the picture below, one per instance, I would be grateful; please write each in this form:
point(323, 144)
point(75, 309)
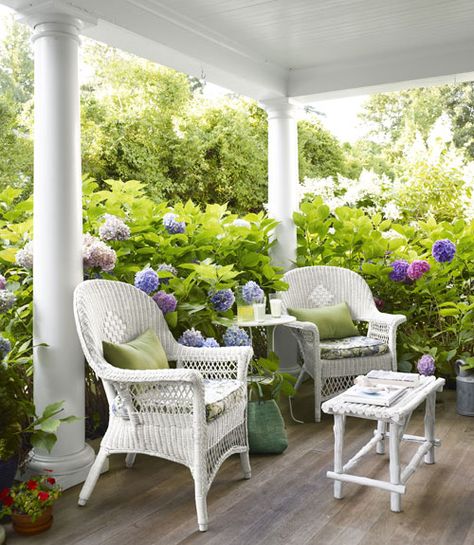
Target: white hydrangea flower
point(24, 257)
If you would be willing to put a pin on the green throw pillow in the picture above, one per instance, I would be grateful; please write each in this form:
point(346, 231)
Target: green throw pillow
point(333, 322)
point(144, 352)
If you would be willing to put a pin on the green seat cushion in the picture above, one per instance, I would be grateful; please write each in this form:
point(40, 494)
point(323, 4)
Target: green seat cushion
point(334, 322)
point(144, 352)
point(352, 347)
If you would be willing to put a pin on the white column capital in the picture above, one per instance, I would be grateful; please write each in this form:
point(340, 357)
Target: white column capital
point(53, 17)
point(281, 108)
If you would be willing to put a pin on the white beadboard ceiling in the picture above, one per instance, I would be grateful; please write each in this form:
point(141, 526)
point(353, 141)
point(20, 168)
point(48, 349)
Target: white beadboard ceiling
point(302, 48)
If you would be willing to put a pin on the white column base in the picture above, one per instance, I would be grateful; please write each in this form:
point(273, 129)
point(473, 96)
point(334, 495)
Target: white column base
point(68, 470)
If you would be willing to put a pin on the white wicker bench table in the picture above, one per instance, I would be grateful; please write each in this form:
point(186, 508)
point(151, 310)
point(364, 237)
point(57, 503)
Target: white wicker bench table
point(396, 417)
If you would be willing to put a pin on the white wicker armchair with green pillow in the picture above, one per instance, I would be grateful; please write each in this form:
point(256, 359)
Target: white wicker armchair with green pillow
point(194, 415)
point(334, 362)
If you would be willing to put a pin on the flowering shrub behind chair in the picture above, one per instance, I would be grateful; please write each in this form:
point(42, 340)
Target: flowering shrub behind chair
point(423, 270)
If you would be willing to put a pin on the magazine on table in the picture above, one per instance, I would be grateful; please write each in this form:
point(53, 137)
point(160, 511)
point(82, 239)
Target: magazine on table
point(382, 395)
point(393, 378)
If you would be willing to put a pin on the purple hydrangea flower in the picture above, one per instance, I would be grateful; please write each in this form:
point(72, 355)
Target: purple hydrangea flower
point(114, 229)
point(252, 292)
point(3, 282)
point(171, 225)
point(7, 300)
point(426, 365)
point(192, 337)
point(235, 336)
point(5, 347)
point(222, 300)
point(166, 301)
point(444, 250)
point(147, 280)
point(210, 342)
point(96, 254)
point(399, 270)
point(24, 257)
point(417, 269)
point(164, 267)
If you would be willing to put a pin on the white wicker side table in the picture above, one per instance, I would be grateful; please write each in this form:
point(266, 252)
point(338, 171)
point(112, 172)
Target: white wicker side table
point(397, 417)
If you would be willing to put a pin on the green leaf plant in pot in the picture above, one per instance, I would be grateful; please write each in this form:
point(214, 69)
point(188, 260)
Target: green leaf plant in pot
point(266, 427)
point(20, 427)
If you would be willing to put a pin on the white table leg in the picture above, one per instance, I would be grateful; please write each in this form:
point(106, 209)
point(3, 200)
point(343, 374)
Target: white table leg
point(339, 425)
point(380, 446)
point(396, 432)
point(430, 427)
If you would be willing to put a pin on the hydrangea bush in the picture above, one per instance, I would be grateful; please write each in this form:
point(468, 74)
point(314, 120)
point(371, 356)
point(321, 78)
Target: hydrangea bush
point(423, 270)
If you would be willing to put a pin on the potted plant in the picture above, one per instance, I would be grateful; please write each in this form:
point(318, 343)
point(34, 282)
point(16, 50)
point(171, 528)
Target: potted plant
point(20, 427)
point(30, 504)
point(266, 427)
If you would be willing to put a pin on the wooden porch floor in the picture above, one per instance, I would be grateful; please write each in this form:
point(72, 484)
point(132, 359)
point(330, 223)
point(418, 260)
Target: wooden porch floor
point(288, 501)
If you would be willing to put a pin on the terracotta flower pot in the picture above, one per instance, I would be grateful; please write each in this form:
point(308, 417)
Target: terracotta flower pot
point(23, 524)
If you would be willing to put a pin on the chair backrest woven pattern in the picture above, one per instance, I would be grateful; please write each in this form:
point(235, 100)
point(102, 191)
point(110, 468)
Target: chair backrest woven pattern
point(324, 285)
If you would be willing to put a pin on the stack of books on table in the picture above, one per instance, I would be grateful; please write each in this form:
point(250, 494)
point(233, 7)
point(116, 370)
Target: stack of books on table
point(382, 395)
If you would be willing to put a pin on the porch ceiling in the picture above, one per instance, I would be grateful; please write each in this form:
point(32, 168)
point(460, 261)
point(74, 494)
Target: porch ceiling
point(305, 49)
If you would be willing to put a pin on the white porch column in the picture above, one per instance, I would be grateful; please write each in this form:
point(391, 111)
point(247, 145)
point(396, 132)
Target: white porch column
point(283, 176)
point(282, 202)
point(58, 367)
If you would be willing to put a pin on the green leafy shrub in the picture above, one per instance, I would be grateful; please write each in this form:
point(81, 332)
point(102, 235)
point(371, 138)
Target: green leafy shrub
point(439, 305)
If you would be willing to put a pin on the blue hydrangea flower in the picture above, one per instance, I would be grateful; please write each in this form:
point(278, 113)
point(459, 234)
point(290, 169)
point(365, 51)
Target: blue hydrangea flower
point(252, 292)
point(7, 300)
point(164, 267)
point(114, 229)
point(444, 250)
point(210, 342)
point(171, 225)
point(192, 337)
point(222, 300)
point(426, 365)
point(147, 280)
point(166, 301)
point(235, 336)
point(5, 347)
point(399, 270)
point(3, 282)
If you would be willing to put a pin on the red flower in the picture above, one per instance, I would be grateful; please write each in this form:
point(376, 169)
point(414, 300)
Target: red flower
point(4, 493)
point(32, 485)
point(7, 501)
point(43, 496)
point(51, 480)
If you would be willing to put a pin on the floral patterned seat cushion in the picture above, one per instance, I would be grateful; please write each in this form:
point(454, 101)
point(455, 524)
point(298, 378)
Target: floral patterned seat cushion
point(352, 347)
point(219, 396)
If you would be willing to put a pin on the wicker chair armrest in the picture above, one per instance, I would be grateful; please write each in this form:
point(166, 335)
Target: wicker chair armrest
point(214, 363)
point(125, 376)
point(385, 318)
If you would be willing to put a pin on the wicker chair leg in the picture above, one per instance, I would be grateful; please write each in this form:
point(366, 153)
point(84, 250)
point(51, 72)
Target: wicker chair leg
point(130, 459)
point(93, 476)
point(245, 464)
point(317, 402)
point(201, 509)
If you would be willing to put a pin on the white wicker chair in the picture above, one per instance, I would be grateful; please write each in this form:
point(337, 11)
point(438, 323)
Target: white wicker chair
point(161, 413)
point(322, 286)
